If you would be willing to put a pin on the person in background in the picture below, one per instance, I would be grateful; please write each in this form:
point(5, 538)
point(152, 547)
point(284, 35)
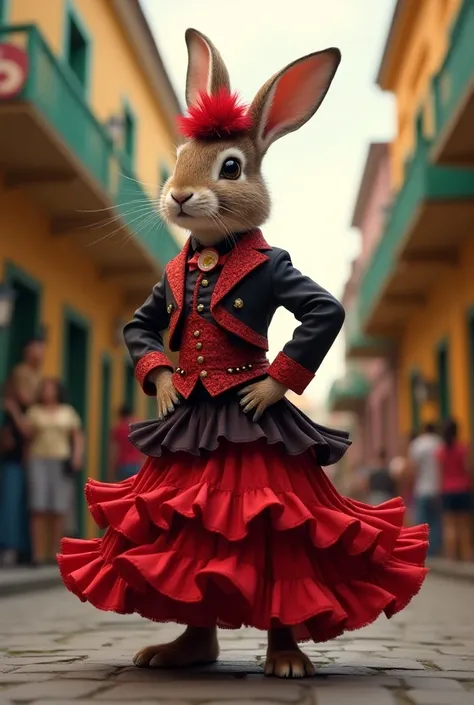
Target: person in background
point(456, 497)
point(14, 537)
point(400, 470)
point(424, 468)
point(55, 453)
point(380, 484)
point(26, 376)
point(125, 460)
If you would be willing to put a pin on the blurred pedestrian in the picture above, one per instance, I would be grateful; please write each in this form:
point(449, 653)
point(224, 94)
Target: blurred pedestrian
point(380, 484)
point(14, 531)
point(125, 459)
point(26, 375)
point(423, 459)
point(403, 478)
point(456, 488)
point(55, 454)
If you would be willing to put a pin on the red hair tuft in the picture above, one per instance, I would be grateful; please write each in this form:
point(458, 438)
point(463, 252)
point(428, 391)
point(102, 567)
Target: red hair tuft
point(215, 117)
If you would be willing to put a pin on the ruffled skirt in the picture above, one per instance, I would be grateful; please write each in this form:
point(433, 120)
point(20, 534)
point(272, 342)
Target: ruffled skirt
point(243, 534)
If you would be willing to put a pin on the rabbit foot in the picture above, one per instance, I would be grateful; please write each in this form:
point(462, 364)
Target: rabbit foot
point(284, 657)
point(195, 646)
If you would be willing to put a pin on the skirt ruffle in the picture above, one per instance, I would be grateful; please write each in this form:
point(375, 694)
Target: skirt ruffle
point(245, 535)
point(194, 428)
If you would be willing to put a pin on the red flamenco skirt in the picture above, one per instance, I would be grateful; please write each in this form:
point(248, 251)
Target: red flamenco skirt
point(244, 535)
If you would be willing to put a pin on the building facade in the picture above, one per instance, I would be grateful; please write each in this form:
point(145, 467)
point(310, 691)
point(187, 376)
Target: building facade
point(87, 135)
point(416, 292)
point(369, 389)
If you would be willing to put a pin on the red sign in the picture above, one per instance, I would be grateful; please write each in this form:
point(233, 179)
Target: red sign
point(13, 70)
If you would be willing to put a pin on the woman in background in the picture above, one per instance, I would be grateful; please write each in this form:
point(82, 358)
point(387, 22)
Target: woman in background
point(456, 488)
point(55, 453)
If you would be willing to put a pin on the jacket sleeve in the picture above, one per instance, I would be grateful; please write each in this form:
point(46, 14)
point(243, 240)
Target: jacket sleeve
point(321, 317)
point(144, 339)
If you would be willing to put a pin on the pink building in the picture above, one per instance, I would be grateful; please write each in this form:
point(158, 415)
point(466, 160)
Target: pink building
point(369, 389)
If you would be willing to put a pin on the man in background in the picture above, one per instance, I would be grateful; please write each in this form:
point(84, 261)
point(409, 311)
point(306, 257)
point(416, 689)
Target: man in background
point(424, 468)
point(26, 375)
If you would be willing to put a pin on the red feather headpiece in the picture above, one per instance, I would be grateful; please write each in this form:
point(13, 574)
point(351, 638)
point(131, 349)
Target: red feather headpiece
point(215, 117)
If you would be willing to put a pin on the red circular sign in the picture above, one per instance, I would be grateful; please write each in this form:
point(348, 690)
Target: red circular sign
point(13, 70)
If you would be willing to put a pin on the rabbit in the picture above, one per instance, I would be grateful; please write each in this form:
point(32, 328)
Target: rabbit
point(232, 521)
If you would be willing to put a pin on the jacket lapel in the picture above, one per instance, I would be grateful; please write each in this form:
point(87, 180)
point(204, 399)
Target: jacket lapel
point(176, 275)
point(244, 258)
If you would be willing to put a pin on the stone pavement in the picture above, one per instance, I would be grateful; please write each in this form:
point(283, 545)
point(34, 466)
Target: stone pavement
point(56, 651)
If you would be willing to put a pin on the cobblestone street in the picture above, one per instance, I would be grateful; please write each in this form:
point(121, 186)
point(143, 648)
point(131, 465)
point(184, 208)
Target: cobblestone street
point(56, 650)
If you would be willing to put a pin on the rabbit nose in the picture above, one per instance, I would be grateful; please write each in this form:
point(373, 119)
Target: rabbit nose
point(181, 197)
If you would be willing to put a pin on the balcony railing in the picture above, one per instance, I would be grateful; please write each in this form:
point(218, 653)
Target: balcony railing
point(423, 182)
point(457, 71)
point(55, 96)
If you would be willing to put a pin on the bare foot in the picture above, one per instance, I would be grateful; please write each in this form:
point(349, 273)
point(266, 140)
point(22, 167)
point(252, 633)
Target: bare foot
point(284, 657)
point(196, 645)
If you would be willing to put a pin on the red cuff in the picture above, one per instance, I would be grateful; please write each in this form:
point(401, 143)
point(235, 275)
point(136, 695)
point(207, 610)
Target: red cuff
point(290, 373)
point(146, 365)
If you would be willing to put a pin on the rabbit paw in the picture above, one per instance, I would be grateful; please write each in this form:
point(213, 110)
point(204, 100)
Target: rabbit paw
point(288, 664)
point(193, 647)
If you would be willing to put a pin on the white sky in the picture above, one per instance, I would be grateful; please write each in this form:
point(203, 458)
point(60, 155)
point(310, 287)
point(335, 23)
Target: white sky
point(313, 174)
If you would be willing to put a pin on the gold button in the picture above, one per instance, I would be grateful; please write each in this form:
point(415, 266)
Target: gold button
point(198, 346)
point(238, 303)
point(237, 369)
point(203, 374)
point(230, 370)
point(200, 359)
point(205, 282)
point(200, 308)
point(197, 333)
point(170, 308)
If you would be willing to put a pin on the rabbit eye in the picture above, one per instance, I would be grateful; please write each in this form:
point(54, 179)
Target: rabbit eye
point(231, 169)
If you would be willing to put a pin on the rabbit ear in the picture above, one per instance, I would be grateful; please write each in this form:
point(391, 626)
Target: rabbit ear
point(291, 97)
point(207, 72)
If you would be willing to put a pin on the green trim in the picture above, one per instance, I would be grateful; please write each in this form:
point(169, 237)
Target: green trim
point(71, 15)
point(414, 406)
point(443, 378)
point(106, 377)
point(71, 315)
point(129, 146)
point(4, 11)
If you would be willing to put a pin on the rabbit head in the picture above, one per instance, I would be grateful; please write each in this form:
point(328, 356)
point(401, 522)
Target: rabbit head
point(217, 188)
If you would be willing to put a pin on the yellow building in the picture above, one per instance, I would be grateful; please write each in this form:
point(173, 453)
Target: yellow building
point(84, 146)
point(418, 288)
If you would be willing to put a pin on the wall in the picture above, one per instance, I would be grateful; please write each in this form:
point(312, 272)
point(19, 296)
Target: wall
point(115, 75)
point(68, 278)
point(419, 60)
point(443, 317)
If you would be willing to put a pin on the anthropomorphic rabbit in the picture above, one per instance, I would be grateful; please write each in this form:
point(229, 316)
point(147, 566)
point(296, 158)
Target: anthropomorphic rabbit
point(232, 521)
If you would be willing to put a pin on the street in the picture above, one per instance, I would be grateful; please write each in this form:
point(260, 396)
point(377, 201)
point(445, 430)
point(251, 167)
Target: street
point(55, 649)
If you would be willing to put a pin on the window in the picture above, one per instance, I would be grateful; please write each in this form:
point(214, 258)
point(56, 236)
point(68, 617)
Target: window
point(77, 48)
point(129, 131)
point(414, 403)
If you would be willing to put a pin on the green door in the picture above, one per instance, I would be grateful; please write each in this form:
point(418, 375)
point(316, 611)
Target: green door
point(129, 384)
point(470, 339)
point(25, 322)
point(414, 404)
point(442, 368)
point(76, 378)
point(106, 389)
